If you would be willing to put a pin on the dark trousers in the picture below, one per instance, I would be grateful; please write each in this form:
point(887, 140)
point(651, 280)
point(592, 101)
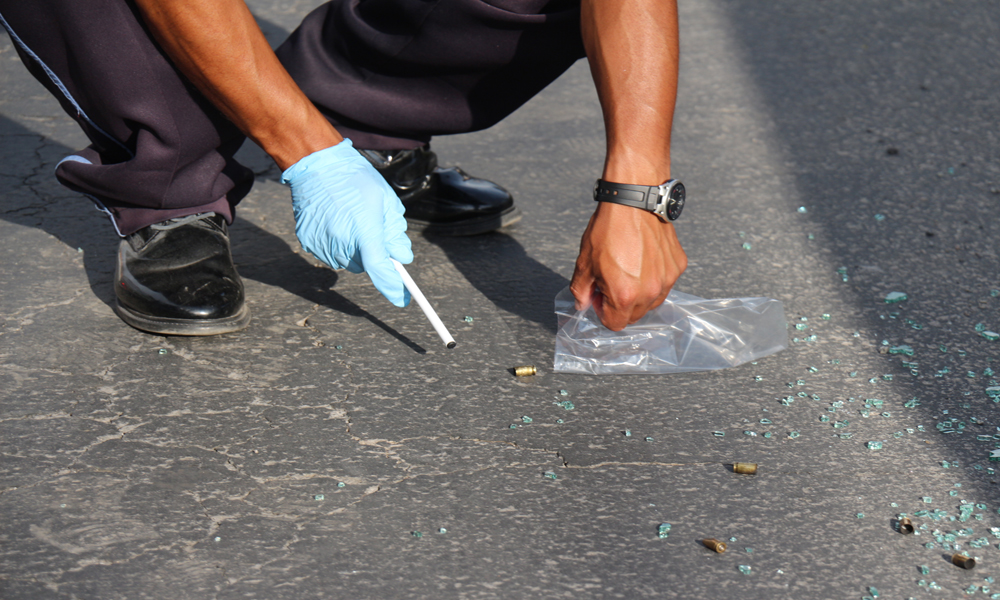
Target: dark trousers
point(389, 74)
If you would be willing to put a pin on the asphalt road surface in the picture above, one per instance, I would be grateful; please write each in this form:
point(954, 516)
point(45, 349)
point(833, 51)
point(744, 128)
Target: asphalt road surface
point(297, 458)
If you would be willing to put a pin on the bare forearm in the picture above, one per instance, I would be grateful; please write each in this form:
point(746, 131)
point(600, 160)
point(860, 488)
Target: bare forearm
point(219, 47)
point(633, 49)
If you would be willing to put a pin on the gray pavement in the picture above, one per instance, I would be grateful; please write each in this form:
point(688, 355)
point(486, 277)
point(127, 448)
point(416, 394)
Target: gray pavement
point(137, 466)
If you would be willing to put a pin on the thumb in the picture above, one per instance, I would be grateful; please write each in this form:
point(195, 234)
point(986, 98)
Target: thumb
point(582, 287)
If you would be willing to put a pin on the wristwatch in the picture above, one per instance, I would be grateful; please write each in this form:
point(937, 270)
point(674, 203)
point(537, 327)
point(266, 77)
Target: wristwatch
point(665, 200)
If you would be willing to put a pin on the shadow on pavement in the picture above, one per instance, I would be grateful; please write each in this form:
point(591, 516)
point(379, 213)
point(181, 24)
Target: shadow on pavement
point(497, 265)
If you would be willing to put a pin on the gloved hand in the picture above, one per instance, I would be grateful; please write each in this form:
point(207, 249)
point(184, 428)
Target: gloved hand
point(347, 216)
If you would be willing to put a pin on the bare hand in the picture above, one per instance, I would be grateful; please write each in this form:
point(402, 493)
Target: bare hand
point(628, 262)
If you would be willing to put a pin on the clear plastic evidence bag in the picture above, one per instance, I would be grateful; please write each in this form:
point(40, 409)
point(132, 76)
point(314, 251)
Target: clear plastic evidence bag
point(685, 333)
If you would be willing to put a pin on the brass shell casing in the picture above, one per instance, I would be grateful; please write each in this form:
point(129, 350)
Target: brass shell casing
point(745, 468)
point(905, 525)
point(525, 371)
point(714, 544)
point(961, 560)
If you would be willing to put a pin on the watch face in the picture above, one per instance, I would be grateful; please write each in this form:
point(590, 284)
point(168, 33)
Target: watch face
point(675, 204)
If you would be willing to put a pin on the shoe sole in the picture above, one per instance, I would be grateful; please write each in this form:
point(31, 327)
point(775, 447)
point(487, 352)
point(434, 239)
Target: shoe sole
point(467, 227)
point(192, 327)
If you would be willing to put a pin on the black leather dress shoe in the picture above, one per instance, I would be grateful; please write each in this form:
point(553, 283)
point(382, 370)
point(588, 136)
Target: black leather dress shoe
point(178, 278)
point(443, 201)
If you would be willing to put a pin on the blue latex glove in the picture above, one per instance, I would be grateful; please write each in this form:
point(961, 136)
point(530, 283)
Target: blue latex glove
point(347, 216)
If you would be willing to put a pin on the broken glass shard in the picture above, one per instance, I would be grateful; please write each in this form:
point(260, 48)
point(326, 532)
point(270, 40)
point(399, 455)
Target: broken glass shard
point(663, 530)
point(895, 297)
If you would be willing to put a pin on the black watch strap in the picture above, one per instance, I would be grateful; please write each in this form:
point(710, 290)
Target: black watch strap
point(666, 201)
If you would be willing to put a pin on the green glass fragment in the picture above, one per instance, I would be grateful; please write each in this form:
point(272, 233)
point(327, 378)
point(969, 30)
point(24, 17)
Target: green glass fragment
point(895, 297)
point(341, 484)
point(442, 530)
point(417, 534)
point(825, 316)
point(319, 497)
point(880, 217)
point(793, 434)
point(663, 530)
point(765, 421)
point(767, 434)
point(719, 433)
point(924, 569)
point(648, 439)
point(627, 433)
point(803, 210)
point(527, 419)
point(550, 475)
point(163, 351)
point(745, 569)
point(860, 515)
point(873, 445)
point(467, 319)
point(747, 246)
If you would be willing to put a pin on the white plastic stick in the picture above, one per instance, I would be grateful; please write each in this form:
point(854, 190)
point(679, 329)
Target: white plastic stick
point(435, 320)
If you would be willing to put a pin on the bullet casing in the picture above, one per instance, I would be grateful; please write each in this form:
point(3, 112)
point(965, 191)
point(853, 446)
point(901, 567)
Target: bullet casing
point(525, 371)
point(905, 525)
point(745, 468)
point(961, 560)
point(714, 544)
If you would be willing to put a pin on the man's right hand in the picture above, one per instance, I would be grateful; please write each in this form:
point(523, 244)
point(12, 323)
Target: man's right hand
point(349, 218)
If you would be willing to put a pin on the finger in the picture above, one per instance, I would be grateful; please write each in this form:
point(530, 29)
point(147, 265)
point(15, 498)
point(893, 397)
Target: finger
point(582, 287)
point(614, 317)
point(399, 247)
point(383, 274)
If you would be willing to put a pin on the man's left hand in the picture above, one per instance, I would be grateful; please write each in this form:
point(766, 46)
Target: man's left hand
point(629, 260)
